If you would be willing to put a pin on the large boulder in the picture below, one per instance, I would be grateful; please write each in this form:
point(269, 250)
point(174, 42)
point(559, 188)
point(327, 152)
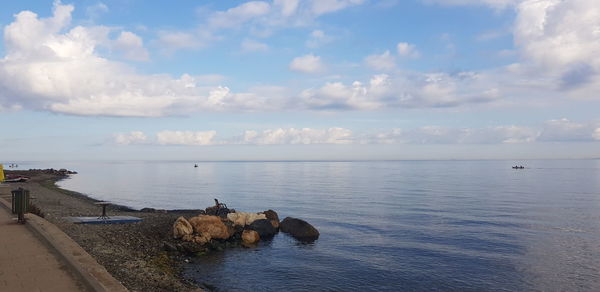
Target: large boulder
point(211, 225)
point(299, 229)
point(273, 217)
point(182, 227)
point(264, 228)
point(244, 218)
point(250, 237)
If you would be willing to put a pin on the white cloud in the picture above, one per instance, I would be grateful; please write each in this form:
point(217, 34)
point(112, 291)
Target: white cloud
point(94, 11)
point(132, 46)
point(298, 136)
point(309, 64)
point(596, 134)
point(57, 69)
point(402, 91)
point(253, 46)
point(50, 67)
point(134, 137)
point(491, 35)
point(318, 38)
point(320, 7)
point(287, 7)
point(205, 79)
point(560, 40)
point(383, 62)
point(559, 33)
point(560, 130)
point(336, 95)
point(407, 50)
point(496, 4)
point(259, 18)
point(447, 135)
point(236, 16)
point(171, 41)
point(185, 138)
point(557, 42)
point(566, 130)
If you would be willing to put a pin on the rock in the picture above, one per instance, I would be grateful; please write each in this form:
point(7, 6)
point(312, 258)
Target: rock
point(299, 229)
point(217, 211)
point(190, 248)
point(169, 246)
point(201, 239)
point(148, 210)
point(182, 227)
point(211, 225)
point(244, 218)
point(264, 228)
point(250, 237)
point(272, 216)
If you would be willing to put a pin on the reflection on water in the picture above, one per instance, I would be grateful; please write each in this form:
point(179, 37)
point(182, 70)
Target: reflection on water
point(385, 226)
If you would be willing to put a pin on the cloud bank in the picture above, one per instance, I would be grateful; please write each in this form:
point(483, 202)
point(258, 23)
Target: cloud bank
point(559, 130)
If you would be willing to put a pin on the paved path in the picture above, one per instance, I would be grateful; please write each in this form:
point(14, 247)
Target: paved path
point(27, 264)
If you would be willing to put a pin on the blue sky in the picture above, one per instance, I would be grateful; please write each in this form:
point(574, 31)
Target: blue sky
point(299, 79)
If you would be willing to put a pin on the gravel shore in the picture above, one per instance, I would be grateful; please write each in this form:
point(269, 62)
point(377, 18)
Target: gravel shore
point(133, 253)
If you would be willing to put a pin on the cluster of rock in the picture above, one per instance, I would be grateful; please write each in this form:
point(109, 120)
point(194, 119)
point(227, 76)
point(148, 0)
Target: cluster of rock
point(220, 224)
point(60, 172)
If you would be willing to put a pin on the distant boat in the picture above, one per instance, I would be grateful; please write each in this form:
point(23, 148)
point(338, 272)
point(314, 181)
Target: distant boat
point(195, 165)
point(518, 167)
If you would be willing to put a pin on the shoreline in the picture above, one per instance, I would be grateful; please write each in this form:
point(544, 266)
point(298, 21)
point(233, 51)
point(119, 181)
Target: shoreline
point(133, 253)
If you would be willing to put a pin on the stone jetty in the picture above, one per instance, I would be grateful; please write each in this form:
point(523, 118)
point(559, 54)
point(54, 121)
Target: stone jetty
point(218, 227)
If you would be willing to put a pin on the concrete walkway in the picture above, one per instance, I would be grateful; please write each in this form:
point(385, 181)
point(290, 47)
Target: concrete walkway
point(27, 264)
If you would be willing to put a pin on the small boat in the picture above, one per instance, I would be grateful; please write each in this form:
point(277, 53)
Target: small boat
point(195, 165)
point(16, 178)
point(518, 167)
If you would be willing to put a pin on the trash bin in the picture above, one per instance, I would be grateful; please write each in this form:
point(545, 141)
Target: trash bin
point(20, 202)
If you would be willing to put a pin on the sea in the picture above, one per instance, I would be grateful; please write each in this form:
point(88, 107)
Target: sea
point(384, 225)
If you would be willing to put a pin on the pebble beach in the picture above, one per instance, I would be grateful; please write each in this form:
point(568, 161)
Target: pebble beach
point(133, 253)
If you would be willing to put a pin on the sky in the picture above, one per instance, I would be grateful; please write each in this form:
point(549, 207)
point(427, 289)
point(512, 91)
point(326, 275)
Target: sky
point(299, 80)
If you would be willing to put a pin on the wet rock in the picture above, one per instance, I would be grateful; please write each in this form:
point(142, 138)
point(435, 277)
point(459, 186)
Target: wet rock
point(264, 228)
point(182, 227)
point(211, 225)
point(273, 217)
point(190, 248)
point(299, 229)
point(201, 238)
point(250, 237)
point(169, 246)
point(244, 218)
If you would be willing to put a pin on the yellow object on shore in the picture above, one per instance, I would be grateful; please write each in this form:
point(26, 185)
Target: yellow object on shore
point(1, 173)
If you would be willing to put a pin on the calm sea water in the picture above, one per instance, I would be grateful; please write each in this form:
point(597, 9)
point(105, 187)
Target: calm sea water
point(385, 226)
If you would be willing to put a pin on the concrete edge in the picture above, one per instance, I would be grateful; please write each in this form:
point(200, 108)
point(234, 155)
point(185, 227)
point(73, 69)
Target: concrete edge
point(93, 274)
